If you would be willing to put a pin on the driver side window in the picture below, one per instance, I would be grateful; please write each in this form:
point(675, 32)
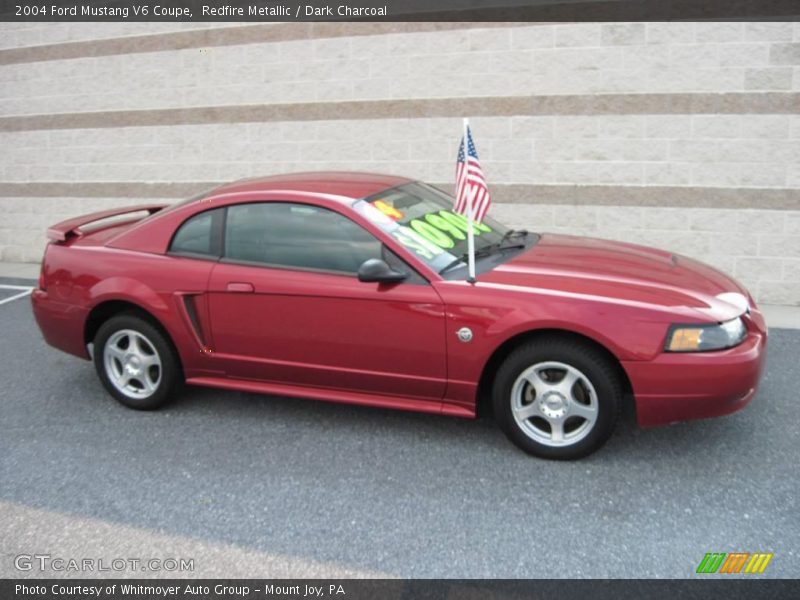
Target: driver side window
point(297, 236)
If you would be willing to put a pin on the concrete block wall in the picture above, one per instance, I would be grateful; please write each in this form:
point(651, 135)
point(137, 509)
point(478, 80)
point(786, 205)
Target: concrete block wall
point(684, 136)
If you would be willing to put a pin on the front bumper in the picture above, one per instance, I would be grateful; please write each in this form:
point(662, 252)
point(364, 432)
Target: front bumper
point(685, 386)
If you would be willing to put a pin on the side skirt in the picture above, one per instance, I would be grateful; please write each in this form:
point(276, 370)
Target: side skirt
point(330, 395)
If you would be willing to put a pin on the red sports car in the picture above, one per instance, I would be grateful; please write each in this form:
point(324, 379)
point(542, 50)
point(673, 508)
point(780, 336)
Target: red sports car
point(353, 288)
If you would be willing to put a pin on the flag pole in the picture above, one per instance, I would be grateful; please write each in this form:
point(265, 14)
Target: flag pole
point(470, 233)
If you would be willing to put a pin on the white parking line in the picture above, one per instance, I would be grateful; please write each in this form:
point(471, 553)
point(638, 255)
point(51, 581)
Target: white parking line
point(26, 290)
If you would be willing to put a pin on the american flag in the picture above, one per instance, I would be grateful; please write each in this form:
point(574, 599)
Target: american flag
point(470, 182)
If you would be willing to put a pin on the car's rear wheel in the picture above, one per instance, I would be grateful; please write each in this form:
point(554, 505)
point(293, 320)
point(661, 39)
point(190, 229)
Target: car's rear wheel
point(557, 397)
point(135, 362)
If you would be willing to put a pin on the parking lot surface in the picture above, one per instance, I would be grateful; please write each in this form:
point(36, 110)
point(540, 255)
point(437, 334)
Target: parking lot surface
point(259, 486)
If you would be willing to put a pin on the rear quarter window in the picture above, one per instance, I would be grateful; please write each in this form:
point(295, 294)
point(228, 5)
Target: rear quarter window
point(199, 235)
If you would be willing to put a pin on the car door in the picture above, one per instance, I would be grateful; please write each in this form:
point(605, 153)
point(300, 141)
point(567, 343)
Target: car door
point(286, 306)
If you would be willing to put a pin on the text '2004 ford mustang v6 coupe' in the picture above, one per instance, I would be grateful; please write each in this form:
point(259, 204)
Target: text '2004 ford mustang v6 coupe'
point(353, 288)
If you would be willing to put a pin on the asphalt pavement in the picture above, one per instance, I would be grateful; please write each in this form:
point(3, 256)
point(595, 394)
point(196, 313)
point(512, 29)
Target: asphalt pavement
point(258, 486)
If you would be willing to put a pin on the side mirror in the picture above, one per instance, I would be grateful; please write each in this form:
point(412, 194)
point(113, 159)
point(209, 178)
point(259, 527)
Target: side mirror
point(376, 270)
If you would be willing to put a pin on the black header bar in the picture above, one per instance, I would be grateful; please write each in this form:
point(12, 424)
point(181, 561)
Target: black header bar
point(259, 11)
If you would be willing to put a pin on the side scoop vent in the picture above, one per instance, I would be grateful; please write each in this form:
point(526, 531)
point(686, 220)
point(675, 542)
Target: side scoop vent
point(191, 311)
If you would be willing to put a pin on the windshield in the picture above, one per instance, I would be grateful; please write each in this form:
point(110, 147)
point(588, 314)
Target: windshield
point(421, 218)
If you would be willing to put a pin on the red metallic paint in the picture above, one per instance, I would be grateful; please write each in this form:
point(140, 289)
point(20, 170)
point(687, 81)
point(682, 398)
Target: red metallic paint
point(332, 337)
point(329, 331)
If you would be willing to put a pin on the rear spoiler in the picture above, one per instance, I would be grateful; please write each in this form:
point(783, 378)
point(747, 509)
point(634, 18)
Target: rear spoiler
point(70, 228)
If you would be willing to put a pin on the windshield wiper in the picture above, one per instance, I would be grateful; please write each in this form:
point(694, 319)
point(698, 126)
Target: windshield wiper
point(511, 233)
point(456, 261)
point(490, 249)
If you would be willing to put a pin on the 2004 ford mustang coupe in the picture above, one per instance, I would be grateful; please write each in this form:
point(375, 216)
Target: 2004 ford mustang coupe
point(353, 288)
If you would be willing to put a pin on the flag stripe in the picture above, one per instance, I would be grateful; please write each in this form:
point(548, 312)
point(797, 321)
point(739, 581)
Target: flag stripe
point(471, 189)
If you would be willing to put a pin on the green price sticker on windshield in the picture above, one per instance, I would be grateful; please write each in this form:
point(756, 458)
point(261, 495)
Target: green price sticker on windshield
point(445, 228)
point(416, 242)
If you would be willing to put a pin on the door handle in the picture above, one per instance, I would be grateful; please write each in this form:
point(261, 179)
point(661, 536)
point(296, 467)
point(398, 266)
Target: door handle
point(241, 287)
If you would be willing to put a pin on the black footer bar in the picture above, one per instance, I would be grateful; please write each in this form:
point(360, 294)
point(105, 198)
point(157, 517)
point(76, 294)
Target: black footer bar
point(386, 589)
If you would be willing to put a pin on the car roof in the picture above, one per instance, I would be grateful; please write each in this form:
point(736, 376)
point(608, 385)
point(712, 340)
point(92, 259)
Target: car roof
point(339, 183)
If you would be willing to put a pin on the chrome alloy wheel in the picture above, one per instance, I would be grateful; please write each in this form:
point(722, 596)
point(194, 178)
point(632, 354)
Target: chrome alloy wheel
point(554, 404)
point(132, 364)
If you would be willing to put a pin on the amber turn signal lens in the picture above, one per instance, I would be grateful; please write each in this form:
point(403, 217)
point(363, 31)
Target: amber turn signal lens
point(693, 338)
point(685, 339)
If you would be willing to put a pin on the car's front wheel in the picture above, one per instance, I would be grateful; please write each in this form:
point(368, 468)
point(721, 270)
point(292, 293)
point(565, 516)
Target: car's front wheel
point(557, 397)
point(135, 362)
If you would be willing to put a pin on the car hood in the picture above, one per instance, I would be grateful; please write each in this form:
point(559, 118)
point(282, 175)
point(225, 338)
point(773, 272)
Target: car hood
point(623, 273)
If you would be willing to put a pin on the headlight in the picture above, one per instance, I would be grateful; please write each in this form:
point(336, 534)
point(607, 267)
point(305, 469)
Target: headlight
point(699, 338)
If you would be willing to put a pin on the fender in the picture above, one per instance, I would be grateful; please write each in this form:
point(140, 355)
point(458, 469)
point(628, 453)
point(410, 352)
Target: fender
point(164, 308)
point(131, 291)
point(519, 322)
point(127, 290)
point(497, 318)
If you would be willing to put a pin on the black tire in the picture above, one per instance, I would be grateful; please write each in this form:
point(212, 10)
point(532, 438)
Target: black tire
point(606, 397)
point(166, 378)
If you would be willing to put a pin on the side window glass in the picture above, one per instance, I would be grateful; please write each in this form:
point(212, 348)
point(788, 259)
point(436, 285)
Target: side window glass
point(297, 236)
point(197, 235)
